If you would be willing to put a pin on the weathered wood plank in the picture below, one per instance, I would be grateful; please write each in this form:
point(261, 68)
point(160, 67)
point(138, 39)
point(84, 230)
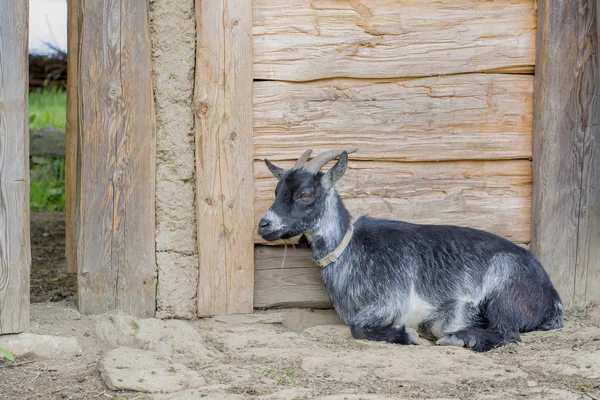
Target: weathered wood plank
point(115, 187)
point(490, 195)
point(297, 284)
point(566, 202)
point(133, 247)
point(298, 40)
point(209, 103)
point(223, 102)
point(473, 116)
point(237, 156)
point(71, 135)
point(587, 278)
point(15, 256)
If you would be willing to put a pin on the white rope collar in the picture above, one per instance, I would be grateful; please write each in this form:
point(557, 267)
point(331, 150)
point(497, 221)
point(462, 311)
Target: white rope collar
point(335, 254)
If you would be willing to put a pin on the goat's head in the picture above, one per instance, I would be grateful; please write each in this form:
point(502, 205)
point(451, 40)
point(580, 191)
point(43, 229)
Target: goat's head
point(301, 194)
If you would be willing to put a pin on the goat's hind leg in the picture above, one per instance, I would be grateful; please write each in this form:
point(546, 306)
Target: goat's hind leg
point(390, 333)
point(371, 326)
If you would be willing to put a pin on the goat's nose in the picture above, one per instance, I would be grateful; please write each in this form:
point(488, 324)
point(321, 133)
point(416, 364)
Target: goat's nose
point(264, 223)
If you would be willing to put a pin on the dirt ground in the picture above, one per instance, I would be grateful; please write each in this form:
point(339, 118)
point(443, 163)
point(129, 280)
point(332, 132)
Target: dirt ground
point(265, 356)
point(49, 278)
point(257, 356)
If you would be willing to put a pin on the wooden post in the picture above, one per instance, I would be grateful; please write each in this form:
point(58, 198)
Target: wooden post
point(15, 257)
point(116, 262)
point(224, 155)
point(71, 134)
point(566, 149)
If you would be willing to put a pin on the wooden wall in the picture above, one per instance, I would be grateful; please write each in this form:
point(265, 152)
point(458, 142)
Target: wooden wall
point(223, 104)
point(15, 256)
point(114, 164)
point(566, 168)
point(438, 96)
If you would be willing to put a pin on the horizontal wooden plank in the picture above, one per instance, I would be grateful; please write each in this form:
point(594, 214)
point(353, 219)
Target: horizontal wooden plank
point(300, 40)
point(297, 283)
point(473, 116)
point(490, 195)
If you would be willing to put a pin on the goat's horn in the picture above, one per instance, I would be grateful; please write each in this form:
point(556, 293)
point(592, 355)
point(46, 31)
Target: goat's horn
point(319, 161)
point(302, 160)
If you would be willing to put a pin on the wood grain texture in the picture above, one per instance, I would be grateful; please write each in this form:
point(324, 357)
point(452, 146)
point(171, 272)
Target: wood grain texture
point(224, 154)
point(299, 40)
point(297, 283)
point(71, 135)
point(473, 116)
point(587, 278)
point(490, 195)
point(115, 170)
point(15, 256)
point(566, 166)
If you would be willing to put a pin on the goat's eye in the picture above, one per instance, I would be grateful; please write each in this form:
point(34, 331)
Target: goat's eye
point(306, 196)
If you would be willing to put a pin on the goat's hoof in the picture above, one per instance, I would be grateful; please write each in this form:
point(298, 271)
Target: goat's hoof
point(451, 340)
point(413, 337)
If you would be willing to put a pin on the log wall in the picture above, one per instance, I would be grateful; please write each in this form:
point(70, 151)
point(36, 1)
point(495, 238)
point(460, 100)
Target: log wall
point(438, 96)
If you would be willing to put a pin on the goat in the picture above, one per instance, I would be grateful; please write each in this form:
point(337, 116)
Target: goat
point(389, 279)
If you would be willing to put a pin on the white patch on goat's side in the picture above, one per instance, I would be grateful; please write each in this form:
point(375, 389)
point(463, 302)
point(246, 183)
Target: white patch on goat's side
point(275, 220)
point(415, 310)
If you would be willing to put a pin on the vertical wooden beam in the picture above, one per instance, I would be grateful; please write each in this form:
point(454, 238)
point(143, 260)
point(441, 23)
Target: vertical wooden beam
point(116, 160)
point(71, 133)
point(224, 155)
point(566, 149)
point(15, 257)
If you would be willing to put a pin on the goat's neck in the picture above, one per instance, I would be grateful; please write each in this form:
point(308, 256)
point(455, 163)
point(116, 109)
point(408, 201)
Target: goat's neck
point(331, 228)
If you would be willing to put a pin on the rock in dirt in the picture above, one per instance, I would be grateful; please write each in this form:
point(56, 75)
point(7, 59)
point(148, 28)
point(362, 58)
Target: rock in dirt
point(594, 313)
point(298, 320)
point(40, 345)
point(47, 142)
point(168, 337)
point(145, 371)
point(269, 318)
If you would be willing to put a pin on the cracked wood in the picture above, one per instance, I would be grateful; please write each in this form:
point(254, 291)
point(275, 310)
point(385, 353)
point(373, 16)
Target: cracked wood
point(116, 262)
point(566, 149)
point(224, 154)
point(301, 40)
point(474, 116)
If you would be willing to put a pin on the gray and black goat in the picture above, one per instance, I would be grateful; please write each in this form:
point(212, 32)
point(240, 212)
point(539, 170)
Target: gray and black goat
point(461, 286)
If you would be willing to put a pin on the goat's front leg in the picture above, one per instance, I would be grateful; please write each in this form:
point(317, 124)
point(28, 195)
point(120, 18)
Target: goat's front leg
point(370, 326)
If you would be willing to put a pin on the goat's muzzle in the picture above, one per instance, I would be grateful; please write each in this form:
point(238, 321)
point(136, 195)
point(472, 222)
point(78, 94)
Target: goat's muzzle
point(270, 227)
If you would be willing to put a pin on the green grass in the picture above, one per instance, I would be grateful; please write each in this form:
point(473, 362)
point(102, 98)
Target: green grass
point(47, 188)
point(48, 107)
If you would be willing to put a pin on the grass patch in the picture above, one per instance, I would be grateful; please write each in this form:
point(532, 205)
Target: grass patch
point(48, 107)
point(47, 189)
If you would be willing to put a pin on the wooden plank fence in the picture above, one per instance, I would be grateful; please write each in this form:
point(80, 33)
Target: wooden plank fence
point(116, 262)
point(224, 150)
point(15, 257)
point(566, 152)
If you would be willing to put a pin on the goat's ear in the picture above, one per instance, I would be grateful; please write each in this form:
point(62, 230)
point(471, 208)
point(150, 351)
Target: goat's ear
point(336, 172)
point(275, 170)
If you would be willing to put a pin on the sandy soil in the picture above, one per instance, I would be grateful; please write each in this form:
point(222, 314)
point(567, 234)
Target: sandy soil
point(258, 356)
